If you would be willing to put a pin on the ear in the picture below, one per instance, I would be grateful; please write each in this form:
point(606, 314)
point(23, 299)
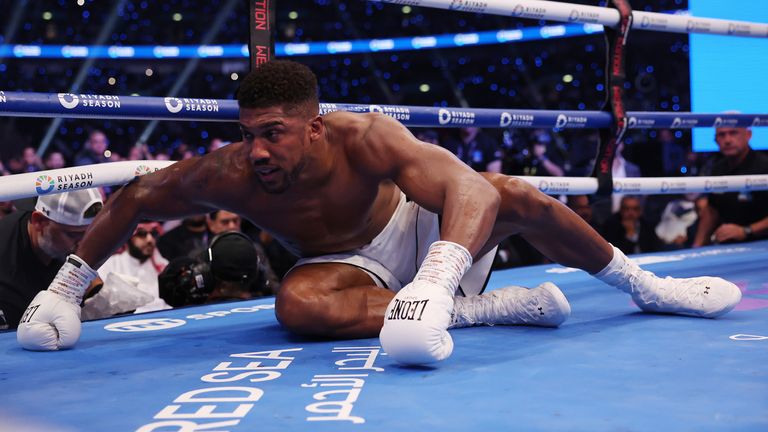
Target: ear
point(38, 220)
point(316, 128)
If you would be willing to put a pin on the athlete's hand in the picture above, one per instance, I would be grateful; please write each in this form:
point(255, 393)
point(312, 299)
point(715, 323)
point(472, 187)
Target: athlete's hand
point(52, 320)
point(49, 323)
point(416, 322)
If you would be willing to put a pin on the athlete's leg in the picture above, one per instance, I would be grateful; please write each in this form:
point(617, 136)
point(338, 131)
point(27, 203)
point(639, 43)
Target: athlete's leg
point(332, 300)
point(564, 237)
point(551, 227)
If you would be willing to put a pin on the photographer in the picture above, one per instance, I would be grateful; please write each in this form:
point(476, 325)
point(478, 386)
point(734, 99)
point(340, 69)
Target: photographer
point(229, 269)
point(533, 155)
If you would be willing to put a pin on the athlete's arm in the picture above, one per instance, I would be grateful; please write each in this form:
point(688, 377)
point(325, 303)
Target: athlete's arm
point(174, 192)
point(52, 320)
point(438, 181)
point(432, 177)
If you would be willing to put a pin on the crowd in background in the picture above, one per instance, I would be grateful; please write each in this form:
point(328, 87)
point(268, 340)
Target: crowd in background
point(526, 75)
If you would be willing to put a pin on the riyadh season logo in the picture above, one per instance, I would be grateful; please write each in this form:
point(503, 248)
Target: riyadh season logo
point(397, 112)
point(44, 184)
point(141, 170)
point(445, 117)
point(143, 325)
point(173, 104)
point(71, 101)
point(509, 119)
point(679, 122)
point(728, 122)
point(68, 100)
point(571, 121)
point(715, 185)
point(757, 183)
point(554, 186)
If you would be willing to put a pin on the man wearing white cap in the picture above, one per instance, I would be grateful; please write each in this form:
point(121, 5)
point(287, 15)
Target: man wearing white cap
point(36, 243)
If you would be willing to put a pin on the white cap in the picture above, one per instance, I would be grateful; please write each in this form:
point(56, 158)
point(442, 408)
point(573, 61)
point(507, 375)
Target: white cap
point(70, 208)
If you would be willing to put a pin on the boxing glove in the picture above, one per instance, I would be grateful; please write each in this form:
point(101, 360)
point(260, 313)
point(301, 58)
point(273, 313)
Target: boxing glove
point(52, 320)
point(416, 321)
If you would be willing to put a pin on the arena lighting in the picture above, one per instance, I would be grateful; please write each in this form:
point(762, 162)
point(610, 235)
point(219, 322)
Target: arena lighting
point(231, 51)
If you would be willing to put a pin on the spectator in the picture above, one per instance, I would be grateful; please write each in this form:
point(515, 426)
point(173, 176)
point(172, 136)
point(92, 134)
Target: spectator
point(35, 244)
point(185, 239)
point(674, 154)
point(3, 170)
point(532, 155)
point(677, 219)
point(222, 221)
point(477, 149)
point(605, 208)
point(622, 168)
point(216, 143)
point(6, 208)
point(94, 151)
point(140, 260)
point(735, 216)
point(139, 152)
point(628, 230)
point(55, 160)
point(31, 160)
point(581, 206)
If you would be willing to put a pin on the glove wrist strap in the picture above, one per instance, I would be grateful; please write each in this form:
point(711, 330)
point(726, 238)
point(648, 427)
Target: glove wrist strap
point(74, 277)
point(445, 264)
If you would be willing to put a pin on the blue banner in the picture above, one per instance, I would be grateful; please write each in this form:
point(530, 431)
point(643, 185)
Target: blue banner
point(20, 104)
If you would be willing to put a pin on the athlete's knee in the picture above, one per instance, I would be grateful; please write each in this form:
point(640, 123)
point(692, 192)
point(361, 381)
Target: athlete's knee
point(521, 201)
point(293, 304)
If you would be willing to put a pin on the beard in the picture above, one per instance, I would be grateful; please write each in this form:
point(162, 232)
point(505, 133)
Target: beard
point(139, 253)
point(285, 181)
point(48, 246)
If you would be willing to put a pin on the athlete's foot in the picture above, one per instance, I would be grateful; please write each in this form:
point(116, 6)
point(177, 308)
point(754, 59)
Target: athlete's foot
point(706, 296)
point(544, 306)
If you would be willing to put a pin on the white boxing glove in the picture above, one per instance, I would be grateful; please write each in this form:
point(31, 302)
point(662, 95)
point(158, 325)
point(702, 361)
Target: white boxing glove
point(416, 322)
point(52, 320)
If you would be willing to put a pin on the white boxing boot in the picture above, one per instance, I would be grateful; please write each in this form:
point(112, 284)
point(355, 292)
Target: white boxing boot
point(704, 296)
point(543, 306)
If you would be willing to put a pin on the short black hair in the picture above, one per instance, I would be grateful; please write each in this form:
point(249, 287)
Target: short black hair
point(280, 82)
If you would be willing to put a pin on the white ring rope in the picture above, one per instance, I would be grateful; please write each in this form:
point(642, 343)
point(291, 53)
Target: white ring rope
point(82, 177)
point(567, 12)
point(117, 173)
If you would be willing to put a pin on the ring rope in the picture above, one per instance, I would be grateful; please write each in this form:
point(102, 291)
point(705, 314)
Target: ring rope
point(60, 180)
point(567, 12)
point(117, 173)
point(52, 105)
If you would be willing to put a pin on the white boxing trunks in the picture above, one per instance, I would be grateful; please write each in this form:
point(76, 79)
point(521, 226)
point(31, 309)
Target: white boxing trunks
point(393, 257)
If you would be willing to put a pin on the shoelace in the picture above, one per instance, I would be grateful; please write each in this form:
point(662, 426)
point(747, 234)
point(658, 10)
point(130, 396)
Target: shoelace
point(685, 293)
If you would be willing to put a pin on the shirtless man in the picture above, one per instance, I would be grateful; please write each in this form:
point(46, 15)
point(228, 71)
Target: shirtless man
point(333, 189)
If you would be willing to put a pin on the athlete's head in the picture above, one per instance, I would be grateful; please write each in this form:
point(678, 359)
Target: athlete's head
point(279, 120)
